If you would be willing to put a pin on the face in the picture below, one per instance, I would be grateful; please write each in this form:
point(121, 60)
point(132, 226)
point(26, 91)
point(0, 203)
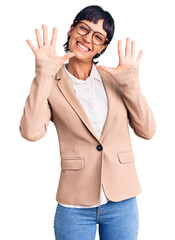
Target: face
point(77, 40)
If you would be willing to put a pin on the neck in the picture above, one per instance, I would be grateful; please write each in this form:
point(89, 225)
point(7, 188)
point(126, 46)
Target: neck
point(78, 69)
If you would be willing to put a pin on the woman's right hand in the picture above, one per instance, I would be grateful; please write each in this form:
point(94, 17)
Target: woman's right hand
point(46, 51)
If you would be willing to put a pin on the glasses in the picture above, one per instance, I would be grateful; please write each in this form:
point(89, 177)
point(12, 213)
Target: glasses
point(83, 29)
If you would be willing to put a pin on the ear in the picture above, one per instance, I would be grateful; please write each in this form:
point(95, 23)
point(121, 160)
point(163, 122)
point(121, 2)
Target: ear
point(70, 30)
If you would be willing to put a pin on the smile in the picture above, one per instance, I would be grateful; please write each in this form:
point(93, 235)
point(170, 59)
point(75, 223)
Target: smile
point(81, 47)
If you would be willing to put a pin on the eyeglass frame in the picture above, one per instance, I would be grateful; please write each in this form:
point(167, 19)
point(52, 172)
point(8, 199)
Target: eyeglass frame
point(107, 40)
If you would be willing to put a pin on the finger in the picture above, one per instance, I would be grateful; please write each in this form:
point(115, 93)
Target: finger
point(31, 46)
point(120, 52)
point(45, 35)
point(127, 48)
point(139, 56)
point(133, 49)
point(67, 56)
point(38, 37)
point(54, 37)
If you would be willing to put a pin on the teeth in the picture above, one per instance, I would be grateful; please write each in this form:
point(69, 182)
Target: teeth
point(82, 47)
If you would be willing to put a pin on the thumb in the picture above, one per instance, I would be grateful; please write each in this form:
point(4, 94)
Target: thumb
point(67, 56)
point(106, 69)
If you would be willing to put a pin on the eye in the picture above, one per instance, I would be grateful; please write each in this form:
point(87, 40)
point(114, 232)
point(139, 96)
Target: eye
point(83, 28)
point(98, 37)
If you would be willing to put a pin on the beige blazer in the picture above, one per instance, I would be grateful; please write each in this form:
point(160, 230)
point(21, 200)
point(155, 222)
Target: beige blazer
point(86, 161)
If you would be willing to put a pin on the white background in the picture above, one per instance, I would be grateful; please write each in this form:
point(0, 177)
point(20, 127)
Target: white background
point(29, 171)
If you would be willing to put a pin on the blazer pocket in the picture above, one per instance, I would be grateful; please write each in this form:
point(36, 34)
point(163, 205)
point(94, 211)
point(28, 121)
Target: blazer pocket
point(126, 157)
point(72, 163)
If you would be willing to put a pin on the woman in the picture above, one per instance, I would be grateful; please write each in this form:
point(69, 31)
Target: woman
point(90, 106)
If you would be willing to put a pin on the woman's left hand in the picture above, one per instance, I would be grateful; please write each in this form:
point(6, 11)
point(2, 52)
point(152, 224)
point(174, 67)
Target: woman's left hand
point(126, 62)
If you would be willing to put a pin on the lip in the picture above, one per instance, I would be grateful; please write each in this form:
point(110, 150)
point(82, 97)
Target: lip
point(83, 45)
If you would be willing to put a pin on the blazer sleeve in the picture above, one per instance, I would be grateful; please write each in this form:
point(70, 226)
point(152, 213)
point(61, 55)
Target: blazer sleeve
point(140, 115)
point(37, 110)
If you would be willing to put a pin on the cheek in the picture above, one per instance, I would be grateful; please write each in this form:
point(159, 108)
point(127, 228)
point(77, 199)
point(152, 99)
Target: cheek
point(72, 39)
point(70, 42)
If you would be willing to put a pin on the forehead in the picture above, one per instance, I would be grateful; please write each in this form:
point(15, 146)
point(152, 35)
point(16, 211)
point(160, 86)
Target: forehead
point(98, 27)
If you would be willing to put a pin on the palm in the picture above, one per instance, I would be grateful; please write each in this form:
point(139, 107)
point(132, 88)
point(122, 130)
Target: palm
point(46, 51)
point(125, 62)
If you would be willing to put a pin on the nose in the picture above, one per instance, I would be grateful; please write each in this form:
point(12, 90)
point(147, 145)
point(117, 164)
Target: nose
point(88, 37)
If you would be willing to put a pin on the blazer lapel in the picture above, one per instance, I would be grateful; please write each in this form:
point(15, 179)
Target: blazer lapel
point(111, 97)
point(69, 94)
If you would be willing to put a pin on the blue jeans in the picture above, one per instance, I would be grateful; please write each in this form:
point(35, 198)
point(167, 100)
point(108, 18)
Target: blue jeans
point(117, 221)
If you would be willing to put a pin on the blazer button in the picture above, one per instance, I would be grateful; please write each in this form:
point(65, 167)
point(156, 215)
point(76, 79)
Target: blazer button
point(99, 147)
